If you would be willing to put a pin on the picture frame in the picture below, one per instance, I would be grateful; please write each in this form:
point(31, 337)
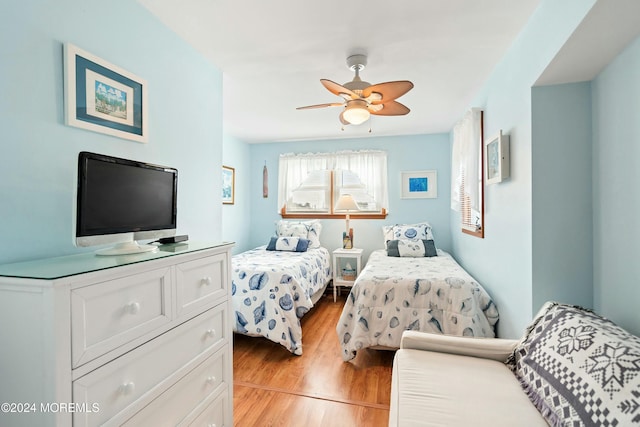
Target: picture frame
point(419, 184)
point(228, 185)
point(102, 97)
point(496, 156)
point(347, 242)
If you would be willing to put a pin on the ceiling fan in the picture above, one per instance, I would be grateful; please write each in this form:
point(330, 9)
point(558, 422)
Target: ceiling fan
point(361, 99)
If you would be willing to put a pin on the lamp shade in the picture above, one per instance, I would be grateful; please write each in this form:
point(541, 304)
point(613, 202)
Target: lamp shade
point(346, 203)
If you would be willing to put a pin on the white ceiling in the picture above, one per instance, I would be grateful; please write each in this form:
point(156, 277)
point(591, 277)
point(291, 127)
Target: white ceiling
point(273, 54)
point(606, 30)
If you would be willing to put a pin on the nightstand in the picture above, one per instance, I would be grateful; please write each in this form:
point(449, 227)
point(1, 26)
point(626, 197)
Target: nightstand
point(347, 264)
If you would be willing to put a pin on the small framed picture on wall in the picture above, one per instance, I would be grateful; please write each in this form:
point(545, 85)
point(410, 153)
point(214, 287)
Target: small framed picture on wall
point(228, 185)
point(497, 158)
point(419, 185)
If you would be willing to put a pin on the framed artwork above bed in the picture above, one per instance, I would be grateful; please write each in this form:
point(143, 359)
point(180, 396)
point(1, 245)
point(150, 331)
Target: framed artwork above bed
point(419, 185)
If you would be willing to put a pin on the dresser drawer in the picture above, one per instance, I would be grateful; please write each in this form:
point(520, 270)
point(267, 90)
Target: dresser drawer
point(202, 383)
point(107, 315)
point(128, 383)
point(200, 283)
point(216, 414)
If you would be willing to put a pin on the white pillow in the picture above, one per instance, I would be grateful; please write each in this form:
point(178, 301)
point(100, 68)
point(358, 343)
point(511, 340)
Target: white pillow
point(387, 232)
point(305, 229)
point(419, 231)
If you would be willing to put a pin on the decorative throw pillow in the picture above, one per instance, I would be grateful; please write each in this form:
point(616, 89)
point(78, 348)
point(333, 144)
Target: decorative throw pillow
point(411, 248)
point(306, 229)
point(420, 231)
point(413, 231)
point(511, 360)
point(290, 244)
point(579, 368)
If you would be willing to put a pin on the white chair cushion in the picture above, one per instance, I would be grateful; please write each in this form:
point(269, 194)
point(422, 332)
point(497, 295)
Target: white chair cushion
point(439, 389)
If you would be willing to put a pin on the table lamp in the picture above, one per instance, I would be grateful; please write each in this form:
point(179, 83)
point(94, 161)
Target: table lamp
point(347, 204)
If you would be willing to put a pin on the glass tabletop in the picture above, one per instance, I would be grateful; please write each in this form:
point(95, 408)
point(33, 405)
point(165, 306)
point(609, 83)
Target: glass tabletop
point(70, 265)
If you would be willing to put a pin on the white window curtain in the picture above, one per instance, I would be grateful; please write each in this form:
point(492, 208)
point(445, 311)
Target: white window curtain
point(293, 169)
point(371, 168)
point(465, 160)
point(369, 165)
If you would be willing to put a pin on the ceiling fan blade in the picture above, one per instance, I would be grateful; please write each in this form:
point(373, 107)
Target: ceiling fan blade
point(333, 104)
point(338, 89)
point(343, 120)
point(391, 108)
point(388, 90)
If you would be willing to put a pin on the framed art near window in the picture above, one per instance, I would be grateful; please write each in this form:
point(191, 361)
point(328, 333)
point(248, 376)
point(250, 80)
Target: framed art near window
point(228, 185)
point(419, 185)
point(102, 97)
point(497, 158)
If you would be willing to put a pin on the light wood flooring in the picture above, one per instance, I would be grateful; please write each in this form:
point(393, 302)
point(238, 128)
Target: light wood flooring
point(273, 387)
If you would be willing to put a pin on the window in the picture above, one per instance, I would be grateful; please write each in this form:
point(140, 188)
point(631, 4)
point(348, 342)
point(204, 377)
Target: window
point(467, 176)
point(311, 184)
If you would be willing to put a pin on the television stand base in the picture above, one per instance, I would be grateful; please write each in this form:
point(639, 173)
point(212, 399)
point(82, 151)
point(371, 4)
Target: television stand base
point(126, 248)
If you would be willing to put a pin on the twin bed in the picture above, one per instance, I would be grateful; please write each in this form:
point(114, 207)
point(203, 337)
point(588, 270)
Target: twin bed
point(272, 289)
point(418, 288)
point(430, 294)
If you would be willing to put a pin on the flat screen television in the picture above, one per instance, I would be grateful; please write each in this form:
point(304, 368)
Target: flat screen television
point(122, 201)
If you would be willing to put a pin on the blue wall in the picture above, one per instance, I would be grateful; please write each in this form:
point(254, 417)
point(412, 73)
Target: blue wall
point(237, 217)
point(404, 153)
point(39, 153)
point(561, 194)
point(616, 192)
point(563, 226)
point(502, 261)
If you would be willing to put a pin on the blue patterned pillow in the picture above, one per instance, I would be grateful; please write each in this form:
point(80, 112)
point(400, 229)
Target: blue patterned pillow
point(290, 244)
point(306, 229)
point(419, 231)
point(580, 369)
point(411, 248)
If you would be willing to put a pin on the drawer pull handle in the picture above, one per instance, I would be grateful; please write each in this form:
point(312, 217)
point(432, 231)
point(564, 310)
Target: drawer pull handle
point(211, 333)
point(126, 388)
point(211, 380)
point(206, 281)
point(133, 307)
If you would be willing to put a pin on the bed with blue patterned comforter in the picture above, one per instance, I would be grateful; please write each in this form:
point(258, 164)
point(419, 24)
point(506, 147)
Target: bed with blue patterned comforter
point(431, 294)
point(272, 290)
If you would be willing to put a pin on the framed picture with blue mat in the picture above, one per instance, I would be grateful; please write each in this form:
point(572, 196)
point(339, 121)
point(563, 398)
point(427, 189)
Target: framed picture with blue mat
point(102, 97)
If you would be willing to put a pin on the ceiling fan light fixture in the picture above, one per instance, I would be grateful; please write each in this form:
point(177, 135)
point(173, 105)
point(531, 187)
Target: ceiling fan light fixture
point(356, 113)
point(361, 99)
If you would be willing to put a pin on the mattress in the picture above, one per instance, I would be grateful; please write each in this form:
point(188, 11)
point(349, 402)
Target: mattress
point(272, 290)
point(430, 294)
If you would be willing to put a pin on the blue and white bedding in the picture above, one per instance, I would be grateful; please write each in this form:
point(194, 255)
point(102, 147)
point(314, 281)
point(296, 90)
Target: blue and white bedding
point(431, 294)
point(272, 290)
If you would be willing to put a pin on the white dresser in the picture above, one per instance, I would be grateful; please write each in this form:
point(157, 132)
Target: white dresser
point(136, 340)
